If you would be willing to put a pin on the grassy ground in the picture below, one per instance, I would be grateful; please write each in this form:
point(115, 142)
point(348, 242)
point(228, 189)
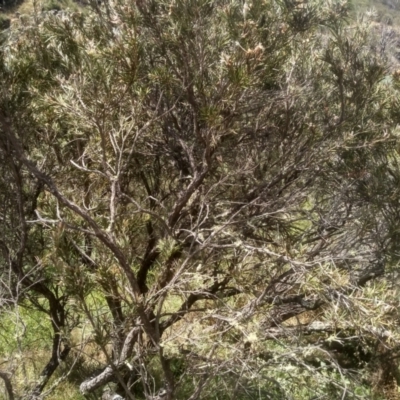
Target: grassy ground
point(28, 7)
point(388, 11)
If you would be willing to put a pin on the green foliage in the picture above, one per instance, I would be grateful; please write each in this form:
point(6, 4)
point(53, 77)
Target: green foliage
point(5, 22)
point(23, 329)
point(207, 192)
point(53, 5)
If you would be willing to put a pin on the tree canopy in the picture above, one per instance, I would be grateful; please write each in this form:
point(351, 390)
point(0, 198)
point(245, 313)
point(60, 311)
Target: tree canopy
point(199, 200)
